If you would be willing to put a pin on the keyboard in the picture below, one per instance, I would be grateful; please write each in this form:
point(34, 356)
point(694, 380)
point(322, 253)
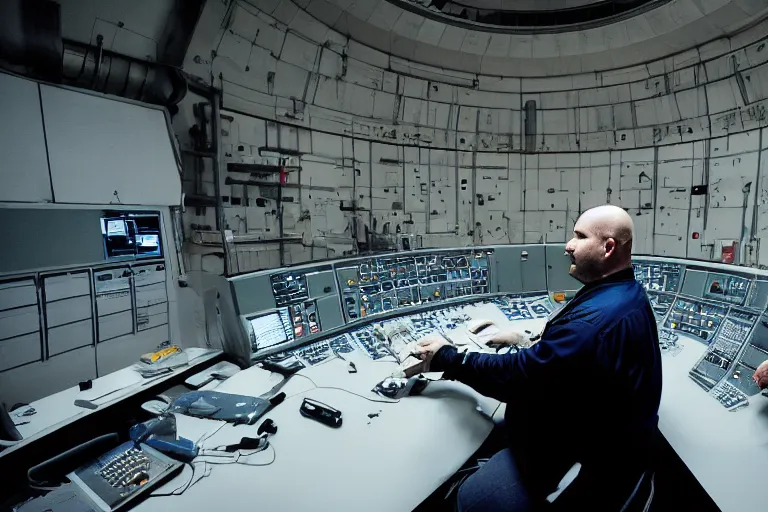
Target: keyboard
point(729, 396)
point(123, 473)
point(130, 467)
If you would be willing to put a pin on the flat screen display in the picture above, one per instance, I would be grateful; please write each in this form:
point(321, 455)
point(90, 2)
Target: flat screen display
point(270, 330)
point(131, 235)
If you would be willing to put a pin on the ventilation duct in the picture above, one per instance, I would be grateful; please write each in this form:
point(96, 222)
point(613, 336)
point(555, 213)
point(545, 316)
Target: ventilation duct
point(31, 45)
point(104, 71)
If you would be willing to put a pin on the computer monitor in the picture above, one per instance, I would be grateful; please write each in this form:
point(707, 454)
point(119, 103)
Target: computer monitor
point(131, 235)
point(270, 330)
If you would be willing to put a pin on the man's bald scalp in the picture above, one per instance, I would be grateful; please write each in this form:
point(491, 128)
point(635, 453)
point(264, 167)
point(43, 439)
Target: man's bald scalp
point(610, 221)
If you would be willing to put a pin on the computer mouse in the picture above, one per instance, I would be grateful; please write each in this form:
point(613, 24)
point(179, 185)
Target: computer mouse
point(478, 325)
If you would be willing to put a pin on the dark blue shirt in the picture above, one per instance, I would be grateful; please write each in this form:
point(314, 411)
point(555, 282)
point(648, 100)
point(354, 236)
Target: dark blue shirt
point(589, 390)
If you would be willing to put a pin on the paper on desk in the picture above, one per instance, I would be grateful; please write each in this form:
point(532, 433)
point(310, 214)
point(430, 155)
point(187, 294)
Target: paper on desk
point(253, 381)
point(186, 357)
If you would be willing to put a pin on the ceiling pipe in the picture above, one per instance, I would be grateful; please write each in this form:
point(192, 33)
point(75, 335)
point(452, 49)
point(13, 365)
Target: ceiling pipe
point(31, 45)
point(111, 73)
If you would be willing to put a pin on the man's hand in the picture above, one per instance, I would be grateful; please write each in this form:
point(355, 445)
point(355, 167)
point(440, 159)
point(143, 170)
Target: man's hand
point(761, 375)
point(427, 347)
point(508, 338)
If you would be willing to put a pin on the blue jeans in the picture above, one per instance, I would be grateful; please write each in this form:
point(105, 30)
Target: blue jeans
point(496, 486)
point(500, 485)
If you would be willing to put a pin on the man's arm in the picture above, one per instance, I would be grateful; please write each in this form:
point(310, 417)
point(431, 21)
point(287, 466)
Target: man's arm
point(498, 375)
point(761, 375)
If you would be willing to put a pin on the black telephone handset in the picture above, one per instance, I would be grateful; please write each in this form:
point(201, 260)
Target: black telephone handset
point(321, 412)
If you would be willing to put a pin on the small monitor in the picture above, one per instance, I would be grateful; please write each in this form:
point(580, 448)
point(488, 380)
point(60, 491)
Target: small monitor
point(116, 227)
point(270, 330)
point(131, 235)
point(726, 288)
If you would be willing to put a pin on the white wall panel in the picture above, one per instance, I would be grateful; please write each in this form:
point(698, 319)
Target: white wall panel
point(104, 151)
point(23, 165)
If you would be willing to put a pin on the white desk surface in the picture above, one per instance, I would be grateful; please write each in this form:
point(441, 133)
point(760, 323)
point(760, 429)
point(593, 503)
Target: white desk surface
point(725, 451)
point(59, 409)
point(389, 462)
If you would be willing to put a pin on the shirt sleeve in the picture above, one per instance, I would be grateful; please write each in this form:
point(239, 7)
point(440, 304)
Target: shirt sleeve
point(562, 348)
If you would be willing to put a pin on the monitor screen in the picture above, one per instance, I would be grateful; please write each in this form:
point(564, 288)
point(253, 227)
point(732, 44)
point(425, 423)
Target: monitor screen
point(270, 330)
point(131, 235)
point(116, 227)
point(148, 241)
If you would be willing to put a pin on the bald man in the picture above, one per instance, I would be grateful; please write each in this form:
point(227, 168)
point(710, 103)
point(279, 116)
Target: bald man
point(588, 391)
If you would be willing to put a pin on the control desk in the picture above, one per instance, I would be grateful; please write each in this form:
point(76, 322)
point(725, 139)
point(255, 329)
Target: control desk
point(343, 330)
point(712, 321)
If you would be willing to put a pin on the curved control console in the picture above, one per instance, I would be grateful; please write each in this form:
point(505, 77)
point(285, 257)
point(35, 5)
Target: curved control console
point(313, 311)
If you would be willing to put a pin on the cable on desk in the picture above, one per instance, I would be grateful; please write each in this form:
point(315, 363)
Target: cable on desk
point(338, 389)
point(187, 486)
point(236, 458)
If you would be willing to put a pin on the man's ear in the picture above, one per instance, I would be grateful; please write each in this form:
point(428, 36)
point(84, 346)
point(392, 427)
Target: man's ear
point(610, 246)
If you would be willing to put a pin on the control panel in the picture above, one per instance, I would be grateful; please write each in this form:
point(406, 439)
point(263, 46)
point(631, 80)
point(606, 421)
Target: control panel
point(712, 304)
point(289, 288)
point(660, 303)
point(387, 339)
point(754, 353)
point(696, 318)
point(517, 307)
point(724, 349)
point(378, 285)
point(726, 288)
point(657, 276)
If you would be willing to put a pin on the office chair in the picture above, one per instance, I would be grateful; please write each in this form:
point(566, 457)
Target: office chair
point(641, 498)
point(9, 435)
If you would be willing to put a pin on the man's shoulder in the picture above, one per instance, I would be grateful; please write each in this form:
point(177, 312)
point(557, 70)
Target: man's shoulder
point(609, 302)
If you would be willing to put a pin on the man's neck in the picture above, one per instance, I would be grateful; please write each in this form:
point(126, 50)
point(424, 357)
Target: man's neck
point(621, 268)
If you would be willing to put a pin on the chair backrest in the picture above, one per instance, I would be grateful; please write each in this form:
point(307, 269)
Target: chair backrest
point(8, 431)
point(642, 496)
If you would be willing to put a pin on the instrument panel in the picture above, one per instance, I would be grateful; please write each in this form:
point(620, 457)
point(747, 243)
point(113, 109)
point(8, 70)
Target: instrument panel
point(658, 277)
point(696, 318)
point(378, 285)
point(386, 339)
point(727, 288)
point(718, 308)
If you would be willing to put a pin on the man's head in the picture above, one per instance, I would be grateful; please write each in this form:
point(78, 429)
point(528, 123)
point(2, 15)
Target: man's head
point(601, 243)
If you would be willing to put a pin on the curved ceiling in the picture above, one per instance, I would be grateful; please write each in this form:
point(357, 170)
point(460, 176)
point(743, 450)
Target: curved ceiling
point(670, 28)
point(522, 17)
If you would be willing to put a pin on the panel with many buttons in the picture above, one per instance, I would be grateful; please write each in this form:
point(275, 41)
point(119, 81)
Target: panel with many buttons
point(657, 276)
point(696, 318)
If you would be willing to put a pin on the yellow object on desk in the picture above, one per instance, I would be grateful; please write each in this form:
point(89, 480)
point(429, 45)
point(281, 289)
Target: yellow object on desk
point(154, 357)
